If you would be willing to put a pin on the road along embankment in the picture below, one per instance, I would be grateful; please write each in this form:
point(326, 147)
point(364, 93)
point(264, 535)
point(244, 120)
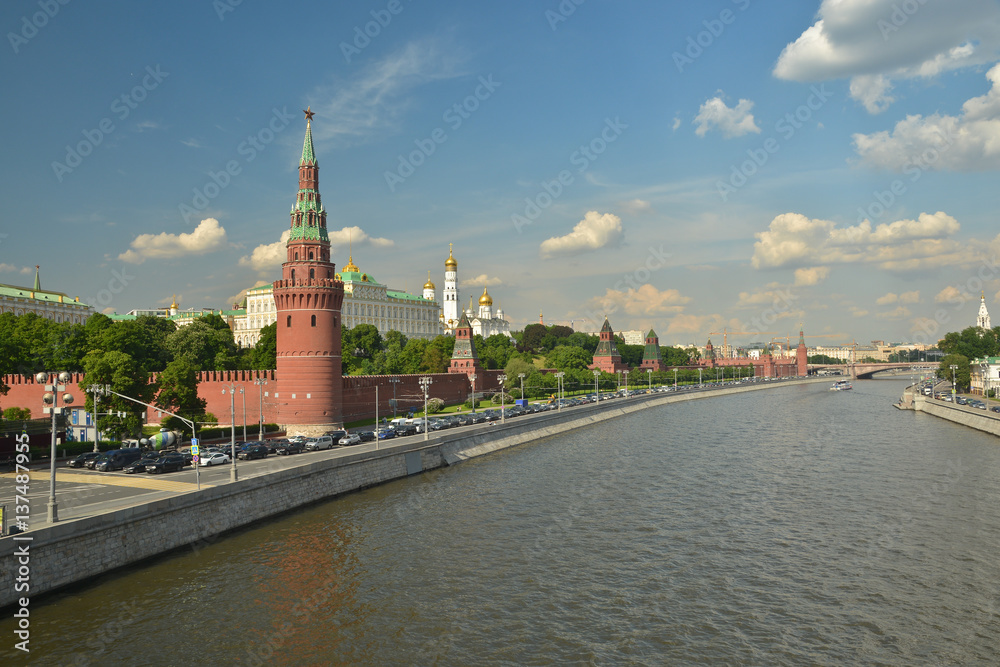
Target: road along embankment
point(58, 555)
point(981, 420)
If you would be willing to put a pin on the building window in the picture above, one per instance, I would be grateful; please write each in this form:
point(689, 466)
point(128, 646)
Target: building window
point(288, 322)
point(312, 272)
point(313, 320)
point(293, 276)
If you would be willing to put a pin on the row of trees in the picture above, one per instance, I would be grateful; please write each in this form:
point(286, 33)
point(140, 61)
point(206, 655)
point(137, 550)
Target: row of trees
point(125, 353)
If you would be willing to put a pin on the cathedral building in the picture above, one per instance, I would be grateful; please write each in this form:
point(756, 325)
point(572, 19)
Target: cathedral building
point(983, 319)
point(482, 320)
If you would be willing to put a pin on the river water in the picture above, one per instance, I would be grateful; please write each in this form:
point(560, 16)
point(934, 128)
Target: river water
point(793, 526)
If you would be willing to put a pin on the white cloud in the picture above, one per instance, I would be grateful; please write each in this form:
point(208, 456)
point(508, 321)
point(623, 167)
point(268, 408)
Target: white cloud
point(10, 268)
point(268, 257)
point(733, 122)
point(793, 240)
point(645, 300)
point(695, 324)
point(967, 142)
point(901, 312)
point(348, 236)
point(482, 280)
point(882, 40)
point(872, 90)
point(595, 231)
point(676, 124)
point(376, 98)
point(207, 237)
point(892, 297)
point(637, 206)
point(811, 276)
point(950, 294)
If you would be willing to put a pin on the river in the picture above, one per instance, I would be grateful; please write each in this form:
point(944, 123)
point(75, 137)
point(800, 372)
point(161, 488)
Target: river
point(793, 526)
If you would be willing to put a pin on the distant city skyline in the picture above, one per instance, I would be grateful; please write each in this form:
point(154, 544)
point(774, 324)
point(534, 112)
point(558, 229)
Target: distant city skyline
point(685, 167)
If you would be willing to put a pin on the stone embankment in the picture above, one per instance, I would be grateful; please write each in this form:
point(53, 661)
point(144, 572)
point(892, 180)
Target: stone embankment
point(73, 551)
point(981, 420)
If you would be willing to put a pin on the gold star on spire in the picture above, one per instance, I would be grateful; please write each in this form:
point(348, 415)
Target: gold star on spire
point(309, 113)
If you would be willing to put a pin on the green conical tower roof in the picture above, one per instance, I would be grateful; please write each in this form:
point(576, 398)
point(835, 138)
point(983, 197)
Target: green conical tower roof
point(38, 284)
point(308, 155)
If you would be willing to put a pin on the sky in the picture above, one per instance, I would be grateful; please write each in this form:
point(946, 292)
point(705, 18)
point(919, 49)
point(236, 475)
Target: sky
point(690, 167)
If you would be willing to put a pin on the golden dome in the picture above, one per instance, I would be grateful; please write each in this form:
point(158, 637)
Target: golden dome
point(429, 284)
point(173, 304)
point(350, 265)
point(485, 299)
point(450, 264)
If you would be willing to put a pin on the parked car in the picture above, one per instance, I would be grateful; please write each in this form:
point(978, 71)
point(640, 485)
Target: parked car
point(214, 459)
point(350, 439)
point(252, 452)
point(366, 436)
point(322, 442)
point(385, 433)
point(335, 436)
point(82, 459)
point(138, 466)
point(288, 447)
point(168, 463)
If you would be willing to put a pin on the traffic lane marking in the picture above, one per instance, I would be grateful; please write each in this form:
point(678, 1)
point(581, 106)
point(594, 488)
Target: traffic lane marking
point(137, 481)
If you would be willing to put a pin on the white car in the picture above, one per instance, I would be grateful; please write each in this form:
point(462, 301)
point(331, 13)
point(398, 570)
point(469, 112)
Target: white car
point(322, 442)
point(350, 439)
point(213, 459)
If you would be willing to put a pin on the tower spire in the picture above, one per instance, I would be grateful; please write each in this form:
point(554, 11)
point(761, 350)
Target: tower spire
point(308, 154)
point(38, 284)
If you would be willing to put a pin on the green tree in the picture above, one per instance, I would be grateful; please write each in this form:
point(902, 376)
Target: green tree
point(971, 342)
point(567, 358)
point(631, 354)
point(207, 346)
point(264, 355)
point(963, 374)
point(178, 384)
point(125, 376)
point(532, 336)
point(17, 414)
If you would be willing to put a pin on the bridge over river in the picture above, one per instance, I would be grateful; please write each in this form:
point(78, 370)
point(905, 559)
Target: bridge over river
point(865, 371)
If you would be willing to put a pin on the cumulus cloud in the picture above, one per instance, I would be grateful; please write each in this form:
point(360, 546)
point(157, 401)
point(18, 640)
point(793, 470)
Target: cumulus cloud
point(349, 236)
point(811, 276)
point(595, 231)
point(872, 90)
point(901, 312)
point(645, 300)
point(687, 323)
point(207, 237)
point(892, 297)
point(969, 141)
point(676, 124)
point(268, 257)
point(732, 122)
point(876, 41)
point(949, 294)
point(793, 240)
point(480, 281)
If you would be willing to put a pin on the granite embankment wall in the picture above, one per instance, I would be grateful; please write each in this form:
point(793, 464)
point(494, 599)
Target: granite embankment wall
point(980, 420)
point(74, 551)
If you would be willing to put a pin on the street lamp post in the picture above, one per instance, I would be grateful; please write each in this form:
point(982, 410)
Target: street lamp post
point(51, 398)
point(675, 379)
point(244, 397)
point(425, 382)
point(99, 390)
point(472, 381)
point(559, 389)
point(260, 382)
point(649, 376)
point(502, 378)
point(953, 368)
point(233, 475)
point(597, 390)
point(625, 373)
point(521, 375)
point(699, 378)
point(395, 381)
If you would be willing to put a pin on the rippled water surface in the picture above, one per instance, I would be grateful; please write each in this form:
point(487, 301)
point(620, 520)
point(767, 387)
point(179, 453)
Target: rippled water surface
point(790, 526)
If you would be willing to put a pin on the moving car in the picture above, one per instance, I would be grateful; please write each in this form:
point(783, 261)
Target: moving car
point(138, 466)
point(214, 459)
point(168, 463)
point(350, 439)
point(255, 451)
point(116, 459)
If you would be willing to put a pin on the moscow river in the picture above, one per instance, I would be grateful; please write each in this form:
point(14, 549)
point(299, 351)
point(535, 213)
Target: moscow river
point(793, 526)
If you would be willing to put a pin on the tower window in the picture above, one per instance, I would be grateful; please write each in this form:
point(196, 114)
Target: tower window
point(312, 272)
point(313, 320)
point(288, 322)
point(310, 254)
point(293, 275)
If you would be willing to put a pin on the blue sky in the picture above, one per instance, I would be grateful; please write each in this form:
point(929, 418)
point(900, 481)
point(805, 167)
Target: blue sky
point(682, 166)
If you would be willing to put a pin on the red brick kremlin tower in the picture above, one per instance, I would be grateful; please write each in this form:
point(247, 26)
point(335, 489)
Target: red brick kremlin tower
point(606, 356)
point(464, 358)
point(651, 353)
point(308, 299)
